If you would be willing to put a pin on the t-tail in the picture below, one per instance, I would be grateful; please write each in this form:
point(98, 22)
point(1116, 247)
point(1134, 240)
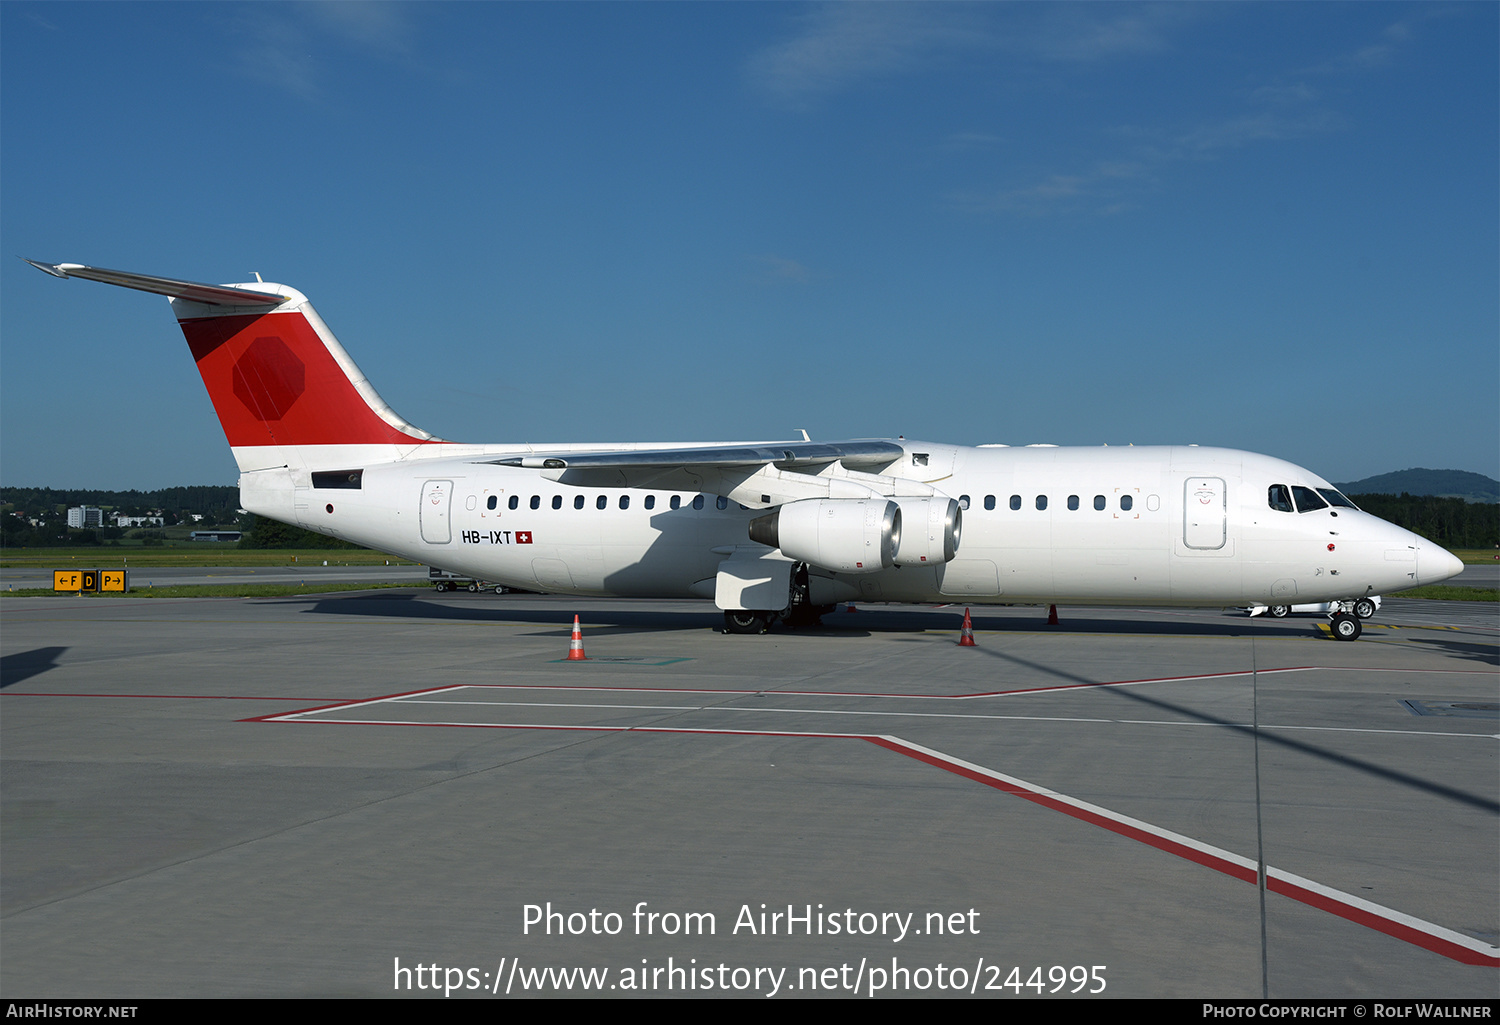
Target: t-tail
point(288, 396)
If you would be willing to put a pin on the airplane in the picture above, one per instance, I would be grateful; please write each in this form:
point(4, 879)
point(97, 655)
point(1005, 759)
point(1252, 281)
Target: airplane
point(772, 529)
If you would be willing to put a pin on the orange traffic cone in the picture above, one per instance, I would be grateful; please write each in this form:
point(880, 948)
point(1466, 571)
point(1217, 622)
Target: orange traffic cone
point(966, 635)
point(1051, 615)
point(575, 646)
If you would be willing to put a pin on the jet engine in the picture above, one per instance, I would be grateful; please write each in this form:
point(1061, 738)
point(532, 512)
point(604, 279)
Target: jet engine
point(847, 535)
point(930, 531)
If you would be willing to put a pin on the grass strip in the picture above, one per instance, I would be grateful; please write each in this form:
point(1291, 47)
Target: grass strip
point(207, 591)
point(1447, 592)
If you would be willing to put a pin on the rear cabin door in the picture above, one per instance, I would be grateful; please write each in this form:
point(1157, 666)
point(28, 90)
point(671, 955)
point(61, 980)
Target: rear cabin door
point(437, 527)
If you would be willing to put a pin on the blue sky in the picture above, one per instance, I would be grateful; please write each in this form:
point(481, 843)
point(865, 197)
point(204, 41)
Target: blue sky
point(1266, 226)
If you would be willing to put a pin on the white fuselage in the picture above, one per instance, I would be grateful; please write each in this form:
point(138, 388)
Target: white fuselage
point(1151, 525)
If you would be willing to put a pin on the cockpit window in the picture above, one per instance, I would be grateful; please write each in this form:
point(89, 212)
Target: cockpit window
point(1336, 499)
point(1307, 499)
point(1279, 498)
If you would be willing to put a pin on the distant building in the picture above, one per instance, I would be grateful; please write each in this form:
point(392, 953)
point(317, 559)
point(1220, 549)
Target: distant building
point(137, 521)
point(83, 516)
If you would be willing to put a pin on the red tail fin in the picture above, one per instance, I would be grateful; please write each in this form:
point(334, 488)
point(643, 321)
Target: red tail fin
point(274, 381)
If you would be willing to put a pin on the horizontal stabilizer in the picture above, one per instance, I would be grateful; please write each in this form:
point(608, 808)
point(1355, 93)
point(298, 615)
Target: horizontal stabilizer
point(209, 295)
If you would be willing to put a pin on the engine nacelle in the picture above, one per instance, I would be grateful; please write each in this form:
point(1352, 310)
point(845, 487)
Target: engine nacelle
point(930, 529)
point(847, 535)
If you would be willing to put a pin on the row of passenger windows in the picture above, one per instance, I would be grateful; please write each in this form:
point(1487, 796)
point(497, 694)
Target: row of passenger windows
point(720, 502)
point(1100, 503)
point(1279, 497)
point(602, 502)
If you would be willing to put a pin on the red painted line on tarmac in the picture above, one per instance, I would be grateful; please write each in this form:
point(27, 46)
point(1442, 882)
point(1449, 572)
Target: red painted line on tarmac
point(1426, 935)
point(1100, 817)
point(1372, 918)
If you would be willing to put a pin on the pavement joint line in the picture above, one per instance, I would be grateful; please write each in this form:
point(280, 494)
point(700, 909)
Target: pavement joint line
point(919, 715)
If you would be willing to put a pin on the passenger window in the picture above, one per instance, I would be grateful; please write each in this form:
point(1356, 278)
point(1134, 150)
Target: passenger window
point(697, 501)
point(557, 501)
point(491, 502)
point(536, 501)
point(1126, 502)
point(624, 501)
point(514, 503)
point(1072, 503)
point(1099, 502)
point(578, 502)
point(676, 502)
point(721, 502)
point(650, 501)
point(601, 502)
point(963, 502)
point(989, 502)
point(1279, 498)
point(1041, 502)
point(1015, 501)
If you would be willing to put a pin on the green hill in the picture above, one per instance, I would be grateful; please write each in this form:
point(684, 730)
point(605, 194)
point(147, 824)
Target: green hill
point(1471, 487)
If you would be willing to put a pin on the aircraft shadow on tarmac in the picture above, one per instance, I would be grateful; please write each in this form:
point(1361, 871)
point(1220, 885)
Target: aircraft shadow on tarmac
point(627, 616)
point(1488, 654)
point(23, 665)
point(1267, 736)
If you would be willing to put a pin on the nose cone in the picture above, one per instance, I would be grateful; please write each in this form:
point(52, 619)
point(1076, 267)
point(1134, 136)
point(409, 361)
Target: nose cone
point(1435, 565)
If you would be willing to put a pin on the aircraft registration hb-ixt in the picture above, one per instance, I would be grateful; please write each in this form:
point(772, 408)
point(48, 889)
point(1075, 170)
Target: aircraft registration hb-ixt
point(769, 529)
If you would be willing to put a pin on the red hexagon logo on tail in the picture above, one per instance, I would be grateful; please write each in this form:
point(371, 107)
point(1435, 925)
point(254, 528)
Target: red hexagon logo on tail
point(268, 378)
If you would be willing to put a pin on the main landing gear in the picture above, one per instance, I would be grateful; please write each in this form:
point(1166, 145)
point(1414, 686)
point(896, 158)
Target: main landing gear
point(746, 621)
point(800, 613)
point(755, 621)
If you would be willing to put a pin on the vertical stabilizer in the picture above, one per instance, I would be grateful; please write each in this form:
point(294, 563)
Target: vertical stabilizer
point(285, 391)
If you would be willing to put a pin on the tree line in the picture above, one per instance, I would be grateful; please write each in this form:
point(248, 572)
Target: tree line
point(1451, 522)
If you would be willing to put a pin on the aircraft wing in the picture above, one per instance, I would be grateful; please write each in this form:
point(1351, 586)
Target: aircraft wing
point(789, 455)
point(758, 476)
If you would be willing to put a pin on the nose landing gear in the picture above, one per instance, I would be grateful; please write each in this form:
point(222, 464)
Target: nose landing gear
point(1346, 625)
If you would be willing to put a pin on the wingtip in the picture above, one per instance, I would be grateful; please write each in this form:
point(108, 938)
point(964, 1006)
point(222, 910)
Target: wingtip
point(55, 269)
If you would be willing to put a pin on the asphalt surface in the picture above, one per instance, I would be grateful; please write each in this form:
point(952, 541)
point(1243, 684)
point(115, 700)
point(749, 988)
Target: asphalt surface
point(370, 794)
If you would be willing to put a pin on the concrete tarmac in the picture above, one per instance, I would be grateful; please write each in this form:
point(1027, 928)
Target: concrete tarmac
point(370, 794)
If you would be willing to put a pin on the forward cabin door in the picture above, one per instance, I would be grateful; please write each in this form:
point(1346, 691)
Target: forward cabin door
point(1204, 513)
